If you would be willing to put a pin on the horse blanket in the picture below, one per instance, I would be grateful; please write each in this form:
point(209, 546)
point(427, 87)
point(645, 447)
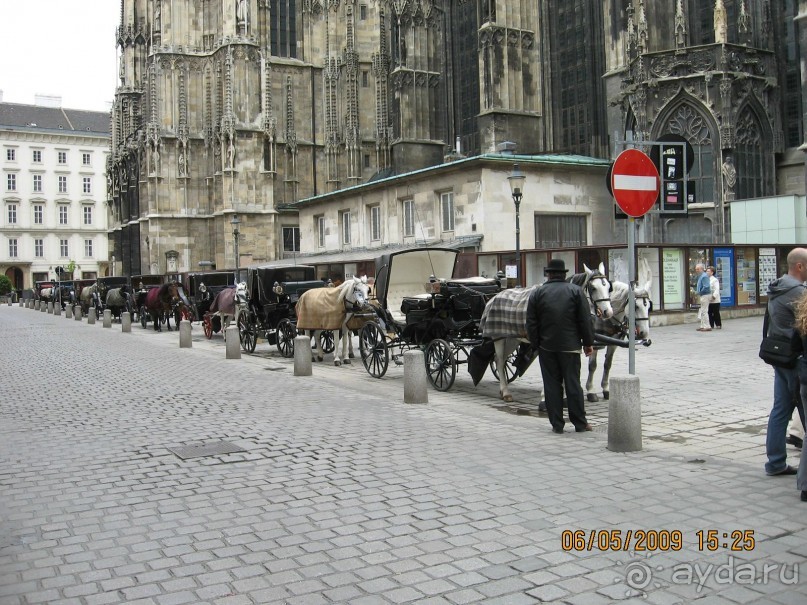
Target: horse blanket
point(320, 309)
point(505, 315)
point(115, 298)
point(224, 302)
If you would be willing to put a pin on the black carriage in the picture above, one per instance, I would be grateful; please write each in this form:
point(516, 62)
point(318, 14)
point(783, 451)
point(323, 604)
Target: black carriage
point(268, 311)
point(420, 306)
point(201, 288)
point(104, 285)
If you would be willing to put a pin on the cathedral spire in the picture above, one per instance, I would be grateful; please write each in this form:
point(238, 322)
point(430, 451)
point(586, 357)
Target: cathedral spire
point(642, 28)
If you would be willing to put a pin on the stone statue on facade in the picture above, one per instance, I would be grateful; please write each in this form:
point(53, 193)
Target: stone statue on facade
point(729, 177)
point(242, 16)
point(721, 23)
point(157, 15)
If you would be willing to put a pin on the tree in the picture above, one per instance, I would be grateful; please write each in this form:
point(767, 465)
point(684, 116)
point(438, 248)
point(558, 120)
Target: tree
point(5, 285)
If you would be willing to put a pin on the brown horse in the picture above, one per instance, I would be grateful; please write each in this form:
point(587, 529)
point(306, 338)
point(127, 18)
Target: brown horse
point(163, 302)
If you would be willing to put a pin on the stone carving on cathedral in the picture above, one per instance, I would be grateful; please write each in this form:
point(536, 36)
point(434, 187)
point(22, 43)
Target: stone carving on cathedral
point(242, 16)
point(721, 23)
point(157, 15)
point(729, 177)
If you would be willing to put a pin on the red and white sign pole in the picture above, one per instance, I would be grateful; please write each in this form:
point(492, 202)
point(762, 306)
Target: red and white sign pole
point(635, 185)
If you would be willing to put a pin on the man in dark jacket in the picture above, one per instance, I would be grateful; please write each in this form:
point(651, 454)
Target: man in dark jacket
point(558, 321)
point(782, 295)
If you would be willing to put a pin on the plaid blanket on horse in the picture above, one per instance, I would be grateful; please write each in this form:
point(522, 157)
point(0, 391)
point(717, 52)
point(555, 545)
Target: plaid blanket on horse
point(505, 315)
point(320, 309)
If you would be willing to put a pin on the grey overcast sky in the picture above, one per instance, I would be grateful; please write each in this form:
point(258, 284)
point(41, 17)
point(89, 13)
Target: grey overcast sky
point(64, 48)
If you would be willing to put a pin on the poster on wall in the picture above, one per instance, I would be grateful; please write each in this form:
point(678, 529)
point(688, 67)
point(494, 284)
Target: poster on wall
point(673, 288)
point(767, 267)
point(724, 267)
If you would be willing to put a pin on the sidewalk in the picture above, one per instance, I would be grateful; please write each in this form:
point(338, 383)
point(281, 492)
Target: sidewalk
point(341, 493)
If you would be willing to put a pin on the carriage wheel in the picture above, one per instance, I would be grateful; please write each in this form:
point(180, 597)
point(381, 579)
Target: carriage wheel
point(207, 324)
point(510, 370)
point(326, 341)
point(246, 332)
point(285, 334)
point(374, 350)
point(441, 367)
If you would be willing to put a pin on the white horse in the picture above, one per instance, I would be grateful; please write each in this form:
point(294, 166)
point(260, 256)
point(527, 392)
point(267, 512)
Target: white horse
point(330, 309)
point(504, 319)
point(617, 327)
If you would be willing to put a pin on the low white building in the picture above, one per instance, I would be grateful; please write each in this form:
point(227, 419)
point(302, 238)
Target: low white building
point(53, 191)
point(466, 204)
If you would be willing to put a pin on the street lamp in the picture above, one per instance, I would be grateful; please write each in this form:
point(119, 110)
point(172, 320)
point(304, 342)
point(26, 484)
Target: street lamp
point(235, 221)
point(516, 180)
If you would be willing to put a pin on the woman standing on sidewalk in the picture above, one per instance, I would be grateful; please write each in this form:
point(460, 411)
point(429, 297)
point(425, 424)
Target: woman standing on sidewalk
point(714, 304)
point(801, 327)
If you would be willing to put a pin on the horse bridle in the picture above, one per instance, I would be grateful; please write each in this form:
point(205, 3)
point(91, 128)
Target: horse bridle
point(588, 288)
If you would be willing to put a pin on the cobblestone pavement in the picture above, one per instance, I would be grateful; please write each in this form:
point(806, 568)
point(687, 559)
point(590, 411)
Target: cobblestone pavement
point(341, 493)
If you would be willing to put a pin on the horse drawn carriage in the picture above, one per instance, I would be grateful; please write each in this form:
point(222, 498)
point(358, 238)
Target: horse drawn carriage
point(140, 286)
point(420, 306)
point(201, 287)
point(113, 293)
point(268, 306)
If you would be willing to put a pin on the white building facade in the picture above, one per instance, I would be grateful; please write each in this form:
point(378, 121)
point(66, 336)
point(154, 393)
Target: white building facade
point(53, 191)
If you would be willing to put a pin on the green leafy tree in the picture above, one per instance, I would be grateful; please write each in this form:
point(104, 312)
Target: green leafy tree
point(5, 285)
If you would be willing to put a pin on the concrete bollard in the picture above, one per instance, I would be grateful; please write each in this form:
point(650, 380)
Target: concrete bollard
point(37, 304)
point(57, 309)
point(43, 307)
point(9, 301)
point(415, 378)
point(185, 341)
point(77, 312)
point(233, 343)
point(49, 308)
point(107, 318)
point(91, 316)
point(68, 311)
point(126, 322)
point(625, 415)
point(302, 356)
point(22, 303)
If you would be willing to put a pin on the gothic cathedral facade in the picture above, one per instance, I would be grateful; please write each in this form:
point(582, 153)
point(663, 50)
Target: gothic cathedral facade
point(242, 107)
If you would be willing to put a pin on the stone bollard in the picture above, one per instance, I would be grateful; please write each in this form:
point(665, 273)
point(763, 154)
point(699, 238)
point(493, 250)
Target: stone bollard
point(77, 313)
point(625, 415)
point(9, 301)
point(37, 304)
point(415, 378)
point(107, 318)
point(91, 316)
point(233, 343)
point(68, 311)
point(302, 356)
point(22, 302)
point(57, 309)
point(185, 341)
point(126, 322)
point(43, 307)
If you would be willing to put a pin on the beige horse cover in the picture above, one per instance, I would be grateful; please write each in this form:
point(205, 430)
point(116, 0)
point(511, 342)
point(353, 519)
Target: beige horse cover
point(320, 309)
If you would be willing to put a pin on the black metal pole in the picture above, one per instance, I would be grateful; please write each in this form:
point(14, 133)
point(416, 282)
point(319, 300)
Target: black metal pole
point(517, 201)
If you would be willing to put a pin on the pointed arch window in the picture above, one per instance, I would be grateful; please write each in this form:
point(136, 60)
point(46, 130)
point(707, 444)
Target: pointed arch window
point(749, 159)
point(690, 124)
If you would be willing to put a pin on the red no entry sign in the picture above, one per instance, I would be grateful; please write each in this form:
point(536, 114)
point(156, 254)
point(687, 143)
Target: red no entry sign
point(634, 182)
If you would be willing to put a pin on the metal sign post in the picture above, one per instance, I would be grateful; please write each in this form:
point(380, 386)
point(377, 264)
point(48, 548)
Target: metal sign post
point(635, 186)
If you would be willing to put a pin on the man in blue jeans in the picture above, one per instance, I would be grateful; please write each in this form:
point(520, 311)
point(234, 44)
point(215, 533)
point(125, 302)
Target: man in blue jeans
point(782, 295)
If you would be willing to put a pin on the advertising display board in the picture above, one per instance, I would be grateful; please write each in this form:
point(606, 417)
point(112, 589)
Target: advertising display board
point(674, 282)
point(724, 265)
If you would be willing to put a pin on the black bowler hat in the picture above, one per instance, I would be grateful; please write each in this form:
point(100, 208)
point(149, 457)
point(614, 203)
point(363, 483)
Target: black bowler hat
point(556, 265)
